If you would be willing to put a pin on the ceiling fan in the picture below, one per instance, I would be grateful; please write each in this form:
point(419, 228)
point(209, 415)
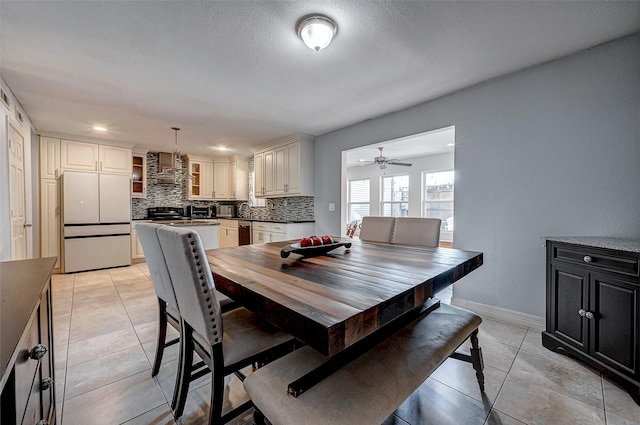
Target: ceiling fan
point(382, 161)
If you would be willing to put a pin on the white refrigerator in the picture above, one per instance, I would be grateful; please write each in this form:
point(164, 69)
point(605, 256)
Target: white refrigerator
point(96, 221)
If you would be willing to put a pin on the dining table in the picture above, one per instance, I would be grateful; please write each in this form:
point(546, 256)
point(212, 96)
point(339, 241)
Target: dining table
point(336, 300)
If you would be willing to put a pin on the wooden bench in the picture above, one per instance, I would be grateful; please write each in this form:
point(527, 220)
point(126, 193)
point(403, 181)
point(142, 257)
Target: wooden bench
point(371, 387)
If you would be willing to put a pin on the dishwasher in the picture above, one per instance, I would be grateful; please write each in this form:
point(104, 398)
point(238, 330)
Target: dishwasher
point(244, 233)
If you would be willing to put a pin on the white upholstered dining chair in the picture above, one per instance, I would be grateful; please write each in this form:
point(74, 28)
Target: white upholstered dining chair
point(376, 229)
point(416, 231)
point(226, 342)
point(168, 312)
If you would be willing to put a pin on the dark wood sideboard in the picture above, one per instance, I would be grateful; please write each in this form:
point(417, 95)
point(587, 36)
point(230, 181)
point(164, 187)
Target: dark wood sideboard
point(593, 304)
point(26, 343)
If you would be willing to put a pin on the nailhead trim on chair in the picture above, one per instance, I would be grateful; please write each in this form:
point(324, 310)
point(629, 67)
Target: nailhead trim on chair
point(203, 284)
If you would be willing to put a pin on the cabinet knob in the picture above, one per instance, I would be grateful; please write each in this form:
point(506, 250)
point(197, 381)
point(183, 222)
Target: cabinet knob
point(587, 314)
point(587, 259)
point(38, 352)
point(46, 383)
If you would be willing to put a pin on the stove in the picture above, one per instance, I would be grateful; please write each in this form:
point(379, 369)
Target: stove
point(165, 213)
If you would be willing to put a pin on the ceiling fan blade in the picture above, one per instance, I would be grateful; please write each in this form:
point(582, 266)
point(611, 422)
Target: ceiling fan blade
point(404, 164)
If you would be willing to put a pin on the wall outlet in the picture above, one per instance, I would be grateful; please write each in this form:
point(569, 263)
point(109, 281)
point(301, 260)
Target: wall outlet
point(332, 206)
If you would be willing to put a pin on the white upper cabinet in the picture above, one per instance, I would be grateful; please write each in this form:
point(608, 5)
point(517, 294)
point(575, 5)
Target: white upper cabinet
point(221, 180)
point(82, 156)
point(139, 174)
point(201, 187)
point(78, 155)
point(114, 159)
point(286, 169)
point(239, 179)
point(49, 158)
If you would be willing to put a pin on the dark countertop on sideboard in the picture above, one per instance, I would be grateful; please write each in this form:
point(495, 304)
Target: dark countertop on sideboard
point(21, 284)
point(619, 244)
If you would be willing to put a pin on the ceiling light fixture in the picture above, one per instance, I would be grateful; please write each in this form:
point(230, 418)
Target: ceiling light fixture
point(176, 171)
point(317, 31)
point(98, 128)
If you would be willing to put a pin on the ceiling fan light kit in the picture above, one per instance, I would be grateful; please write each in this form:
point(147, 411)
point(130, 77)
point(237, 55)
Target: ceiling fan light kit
point(382, 161)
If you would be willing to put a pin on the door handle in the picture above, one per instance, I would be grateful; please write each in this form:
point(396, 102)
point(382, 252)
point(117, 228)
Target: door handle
point(27, 225)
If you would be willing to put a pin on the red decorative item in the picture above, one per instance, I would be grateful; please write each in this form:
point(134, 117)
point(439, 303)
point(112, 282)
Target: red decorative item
point(327, 239)
point(316, 240)
point(304, 242)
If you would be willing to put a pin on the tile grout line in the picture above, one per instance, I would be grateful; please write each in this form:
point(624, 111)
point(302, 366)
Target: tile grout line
point(155, 378)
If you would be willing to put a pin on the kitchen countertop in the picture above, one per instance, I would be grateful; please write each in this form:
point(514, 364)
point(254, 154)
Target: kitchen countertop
point(214, 221)
point(188, 222)
point(619, 244)
point(271, 221)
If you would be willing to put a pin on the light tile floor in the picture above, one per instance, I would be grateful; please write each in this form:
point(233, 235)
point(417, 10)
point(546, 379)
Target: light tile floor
point(104, 341)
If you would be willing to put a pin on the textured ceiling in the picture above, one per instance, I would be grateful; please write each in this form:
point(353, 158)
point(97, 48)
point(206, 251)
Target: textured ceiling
point(234, 73)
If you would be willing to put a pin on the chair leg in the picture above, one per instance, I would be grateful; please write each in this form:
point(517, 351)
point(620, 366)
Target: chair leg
point(183, 377)
point(217, 385)
point(162, 334)
point(476, 359)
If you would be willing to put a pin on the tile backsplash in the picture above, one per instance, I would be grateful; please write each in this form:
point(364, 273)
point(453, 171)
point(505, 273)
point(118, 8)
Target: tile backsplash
point(173, 195)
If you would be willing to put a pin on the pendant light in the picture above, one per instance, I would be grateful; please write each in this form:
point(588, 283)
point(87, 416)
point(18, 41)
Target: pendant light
point(176, 171)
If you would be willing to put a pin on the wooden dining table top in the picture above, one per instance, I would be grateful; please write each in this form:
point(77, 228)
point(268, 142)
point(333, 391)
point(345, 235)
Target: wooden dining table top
point(332, 301)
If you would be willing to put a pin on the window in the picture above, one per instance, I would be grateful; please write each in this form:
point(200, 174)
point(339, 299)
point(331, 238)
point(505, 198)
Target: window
point(358, 199)
point(395, 196)
point(438, 200)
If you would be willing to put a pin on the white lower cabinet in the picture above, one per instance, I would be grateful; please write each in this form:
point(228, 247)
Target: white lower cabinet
point(265, 232)
point(228, 233)
point(136, 246)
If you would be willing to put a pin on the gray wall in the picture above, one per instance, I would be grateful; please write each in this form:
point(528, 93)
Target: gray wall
point(550, 150)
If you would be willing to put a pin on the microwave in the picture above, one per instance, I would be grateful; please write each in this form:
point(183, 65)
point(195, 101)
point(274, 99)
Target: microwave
point(196, 211)
point(226, 211)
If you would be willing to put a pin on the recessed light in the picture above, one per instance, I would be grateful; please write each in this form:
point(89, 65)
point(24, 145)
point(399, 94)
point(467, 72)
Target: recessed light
point(222, 148)
point(451, 144)
point(98, 128)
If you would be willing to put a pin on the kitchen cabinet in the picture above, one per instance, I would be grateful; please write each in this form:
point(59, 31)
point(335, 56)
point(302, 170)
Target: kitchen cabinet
point(27, 377)
point(285, 169)
point(49, 158)
point(217, 179)
point(136, 247)
point(201, 187)
point(238, 179)
point(57, 155)
point(139, 174)
point(265, 232)
point(50, 219)
point(228, 233)
point(593, 307)
point(82, 156)
point(78, 155)
point(221, 180)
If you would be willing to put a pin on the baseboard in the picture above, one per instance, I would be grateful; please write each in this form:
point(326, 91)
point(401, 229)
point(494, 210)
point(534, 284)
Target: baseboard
point(502, 314)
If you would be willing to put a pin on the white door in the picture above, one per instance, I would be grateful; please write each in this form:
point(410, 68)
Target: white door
point(80, 198)
point(115, 199)
point(18, 202)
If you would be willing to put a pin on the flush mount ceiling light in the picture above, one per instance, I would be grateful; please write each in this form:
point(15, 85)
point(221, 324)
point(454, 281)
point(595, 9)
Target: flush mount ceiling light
point(99, 128)
point(317, 31)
